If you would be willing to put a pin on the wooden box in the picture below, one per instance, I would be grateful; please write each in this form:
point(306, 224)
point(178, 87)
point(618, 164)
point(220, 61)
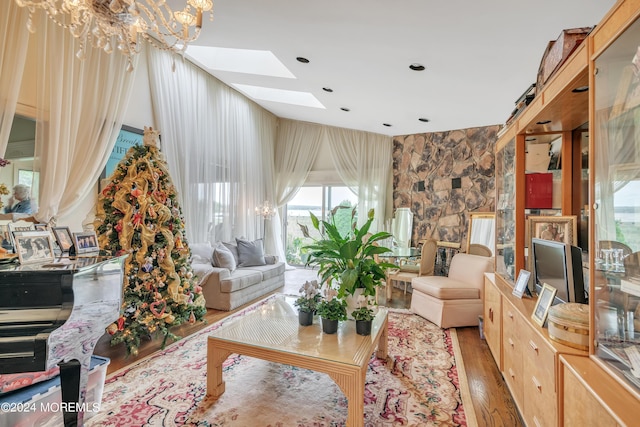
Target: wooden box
point(569, 324)
point(558, 51)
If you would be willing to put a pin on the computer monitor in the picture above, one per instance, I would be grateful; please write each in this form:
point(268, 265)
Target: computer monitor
point(559, 265)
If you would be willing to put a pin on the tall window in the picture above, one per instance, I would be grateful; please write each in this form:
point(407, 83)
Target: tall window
point(319, 200)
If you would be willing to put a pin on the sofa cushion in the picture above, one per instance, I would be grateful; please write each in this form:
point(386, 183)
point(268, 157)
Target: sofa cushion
point(445, 288)
point(223, 258)
point(240, 279)
point(250, 253)
point(269, 270)
point(201, 253)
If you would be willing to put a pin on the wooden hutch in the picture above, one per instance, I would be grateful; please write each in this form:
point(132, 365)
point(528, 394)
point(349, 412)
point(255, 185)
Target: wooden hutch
point(587, 108)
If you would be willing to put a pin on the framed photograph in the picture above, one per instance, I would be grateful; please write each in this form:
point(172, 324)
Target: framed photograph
point(6, 238)
point(558, 228)
point(542, 305)
point(33, 246)
point(40, 227)
point(86, 242)
point(521, 283)
point(63, 238)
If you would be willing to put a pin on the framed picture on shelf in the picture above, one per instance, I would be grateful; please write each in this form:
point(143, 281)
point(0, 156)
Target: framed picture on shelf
point(86, 242)
point(521, 283)
point(543, 304)
point(63, 238)
point(40, 227)
point(557, 228)
point(33, 246)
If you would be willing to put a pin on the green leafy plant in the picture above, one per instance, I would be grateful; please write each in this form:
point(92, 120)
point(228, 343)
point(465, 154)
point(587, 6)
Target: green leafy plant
point(348, 259)
point(363, 313)
point(310, 297)
point(332, 307)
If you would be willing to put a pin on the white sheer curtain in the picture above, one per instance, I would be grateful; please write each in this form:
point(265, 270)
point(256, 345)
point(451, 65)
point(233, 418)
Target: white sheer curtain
point(80, 107)
point(14, 38)
point(219, 147)
point(297, 145)
point(364, 162)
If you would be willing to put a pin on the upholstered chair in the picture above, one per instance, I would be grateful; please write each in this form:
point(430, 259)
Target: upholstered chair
point(455, 300)
point(478, 249)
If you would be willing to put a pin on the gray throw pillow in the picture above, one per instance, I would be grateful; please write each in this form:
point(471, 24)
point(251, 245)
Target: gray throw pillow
point(250, 253)
point(233, 249)
point(223, 258)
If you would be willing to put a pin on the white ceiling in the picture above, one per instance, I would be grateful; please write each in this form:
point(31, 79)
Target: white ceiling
point(480, 56)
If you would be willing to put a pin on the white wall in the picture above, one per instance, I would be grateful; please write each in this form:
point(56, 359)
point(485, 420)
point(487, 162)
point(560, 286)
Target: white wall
point(139, 114)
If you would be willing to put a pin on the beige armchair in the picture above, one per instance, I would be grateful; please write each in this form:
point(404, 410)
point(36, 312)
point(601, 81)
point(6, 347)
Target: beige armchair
point(455, 300)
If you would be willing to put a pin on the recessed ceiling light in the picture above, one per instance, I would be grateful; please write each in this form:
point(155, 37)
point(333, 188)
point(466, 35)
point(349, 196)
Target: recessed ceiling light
point(417, 67)
point(344, 109)
point(422, 119)
point(303, 60)
point(543, 122)
point(386, 124)
point(327, 89)
point(580, 89)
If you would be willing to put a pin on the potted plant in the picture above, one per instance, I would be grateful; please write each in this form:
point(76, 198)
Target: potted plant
point(364, 318)
point(331, 310)
point(307, 302)
point(347, 258)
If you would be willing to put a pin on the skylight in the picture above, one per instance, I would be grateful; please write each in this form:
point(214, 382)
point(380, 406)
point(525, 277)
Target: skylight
point(305, 99)
point(262, 62)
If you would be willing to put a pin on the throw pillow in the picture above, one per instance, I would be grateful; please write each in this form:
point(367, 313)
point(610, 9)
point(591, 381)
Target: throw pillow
point(250, 253)
point(201, 250)
point(223, 258)
point(233, 249)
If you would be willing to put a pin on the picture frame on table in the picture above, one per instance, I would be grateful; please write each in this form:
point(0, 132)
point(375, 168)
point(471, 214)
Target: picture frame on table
point(64, 239)
point(556, 228)
point(15, 226)
point(86, 242)
point(522, 283)
point(545, 299)
point(33, 246)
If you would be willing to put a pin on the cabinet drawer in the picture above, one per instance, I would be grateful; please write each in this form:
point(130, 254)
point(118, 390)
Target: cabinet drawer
point(512, 351)
point(540, 406)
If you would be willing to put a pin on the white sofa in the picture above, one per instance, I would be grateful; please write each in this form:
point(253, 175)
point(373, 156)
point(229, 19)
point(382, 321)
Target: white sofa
point(226, 287)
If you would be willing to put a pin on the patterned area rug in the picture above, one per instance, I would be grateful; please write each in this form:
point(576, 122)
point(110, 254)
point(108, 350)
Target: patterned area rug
point(418, 385)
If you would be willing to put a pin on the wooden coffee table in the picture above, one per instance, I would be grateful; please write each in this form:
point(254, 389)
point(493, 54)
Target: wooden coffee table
point(271, 332)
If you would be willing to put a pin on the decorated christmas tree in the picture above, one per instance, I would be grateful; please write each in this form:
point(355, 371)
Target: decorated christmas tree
point(138, 214)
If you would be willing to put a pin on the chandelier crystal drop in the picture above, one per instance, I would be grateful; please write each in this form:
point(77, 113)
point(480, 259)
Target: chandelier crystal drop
point(120, 24)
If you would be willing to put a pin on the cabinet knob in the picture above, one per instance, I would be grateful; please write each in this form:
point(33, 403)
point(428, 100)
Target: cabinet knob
point(537, 384)
point(511, 342)
point(533, 346)
point(511, 374)
point(510, 314)
point(491, 314)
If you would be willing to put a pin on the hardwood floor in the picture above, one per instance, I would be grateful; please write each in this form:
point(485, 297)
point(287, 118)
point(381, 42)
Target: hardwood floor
point(492, 401)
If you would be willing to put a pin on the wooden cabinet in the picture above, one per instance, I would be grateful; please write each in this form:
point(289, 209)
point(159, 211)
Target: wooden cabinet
point(493, 318)
point(529, 357)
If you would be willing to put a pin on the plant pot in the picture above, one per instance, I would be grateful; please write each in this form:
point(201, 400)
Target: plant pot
point(305, 318)
point(363, 327)
point(329, 326)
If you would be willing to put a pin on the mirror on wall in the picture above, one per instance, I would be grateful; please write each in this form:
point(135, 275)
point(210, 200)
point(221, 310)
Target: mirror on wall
point(20, 154)
point(482, 231)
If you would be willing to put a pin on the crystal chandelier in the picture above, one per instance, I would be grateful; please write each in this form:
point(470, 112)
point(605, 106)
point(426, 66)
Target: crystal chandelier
point(106, 24)
point(266, 210)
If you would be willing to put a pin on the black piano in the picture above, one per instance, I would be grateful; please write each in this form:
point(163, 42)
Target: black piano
point(54, 314)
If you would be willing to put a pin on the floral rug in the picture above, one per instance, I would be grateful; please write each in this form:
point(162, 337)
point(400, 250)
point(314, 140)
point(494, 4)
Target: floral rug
point(418, 385)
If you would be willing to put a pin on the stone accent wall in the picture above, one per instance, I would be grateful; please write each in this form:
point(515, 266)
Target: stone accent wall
point(462, 158)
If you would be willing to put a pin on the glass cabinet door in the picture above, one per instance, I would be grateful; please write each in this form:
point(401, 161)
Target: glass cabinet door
point(505, 210)
point(615, 293)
